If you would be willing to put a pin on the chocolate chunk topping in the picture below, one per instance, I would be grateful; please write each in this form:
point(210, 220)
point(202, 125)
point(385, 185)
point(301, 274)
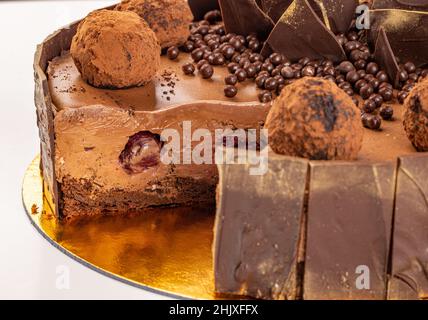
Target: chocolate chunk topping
point(336, 14)
point(201, 7)
point(300, 33)
point(385, 56)
point(275, 8)
point(244, 17)
point(407, 32)
point(420, 5)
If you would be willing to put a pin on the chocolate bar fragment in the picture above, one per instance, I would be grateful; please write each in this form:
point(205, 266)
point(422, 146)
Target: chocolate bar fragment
point(201, 7)
point(385, 57)
point(275, 8)
point(348, 231)
point(409, 274)
point(257, 229)
point(300, 33)
point(55, 43)
point(245, 17)
point(336, 14)
point(407, 32)
point(417, 5)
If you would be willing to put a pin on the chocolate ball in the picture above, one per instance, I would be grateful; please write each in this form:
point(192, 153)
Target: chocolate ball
point(188, 68)
point(115, 49)
point(169, 19)
point(230, 91)
point(416, 116)
point(314, 119)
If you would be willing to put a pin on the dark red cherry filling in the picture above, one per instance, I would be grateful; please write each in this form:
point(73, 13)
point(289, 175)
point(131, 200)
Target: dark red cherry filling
point(141, 152)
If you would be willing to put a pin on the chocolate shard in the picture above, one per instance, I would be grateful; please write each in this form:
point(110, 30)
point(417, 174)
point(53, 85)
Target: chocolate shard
point(201, 7)
point(336, 14)
point(419, 5)
point(257, 229)
point(349, 224)
point(407, 33)
point(275, 8)
point(409, 267)
point(245, 17)
point(300, 33)
point(385, 57)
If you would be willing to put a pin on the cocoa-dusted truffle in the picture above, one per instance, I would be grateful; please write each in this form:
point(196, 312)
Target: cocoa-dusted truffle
point(169, 19)
point(313, 118)
point(115, 50)
point(416, 116)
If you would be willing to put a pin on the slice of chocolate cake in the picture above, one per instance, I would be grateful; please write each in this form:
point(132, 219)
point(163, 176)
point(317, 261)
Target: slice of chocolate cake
point(101, 146)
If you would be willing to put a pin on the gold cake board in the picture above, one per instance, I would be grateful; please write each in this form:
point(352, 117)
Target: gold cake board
point(166, 251)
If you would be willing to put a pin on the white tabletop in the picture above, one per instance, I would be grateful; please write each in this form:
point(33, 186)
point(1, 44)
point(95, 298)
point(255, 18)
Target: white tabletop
point(30, 268)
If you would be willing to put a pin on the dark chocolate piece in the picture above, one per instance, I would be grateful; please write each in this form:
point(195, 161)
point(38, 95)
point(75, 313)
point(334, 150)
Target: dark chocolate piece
point(349, 229)
point(201, 7)
point(257, 229)
point(336, 14)
point(52, 47)
point(300, 33)
point(275, 8)
point(409, 276)
point(244, 17)
point(407, 33)
point(419, 5)
point(385, 57)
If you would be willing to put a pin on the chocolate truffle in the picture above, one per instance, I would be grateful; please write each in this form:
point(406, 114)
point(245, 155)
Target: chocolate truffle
point(113, 49)
point(416, 116)
point(169, 19)
point(314, 119)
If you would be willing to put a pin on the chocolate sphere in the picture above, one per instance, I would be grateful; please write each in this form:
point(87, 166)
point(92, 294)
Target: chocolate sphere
point(115, 49)
point(314, 119)
point(169, 19)
point(416, 116)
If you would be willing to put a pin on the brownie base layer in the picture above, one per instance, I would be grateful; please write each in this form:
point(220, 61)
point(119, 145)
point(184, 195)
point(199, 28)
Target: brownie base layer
point(84, 198)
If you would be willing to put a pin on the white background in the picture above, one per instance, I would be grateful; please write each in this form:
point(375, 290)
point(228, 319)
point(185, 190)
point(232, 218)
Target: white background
point(28, 263)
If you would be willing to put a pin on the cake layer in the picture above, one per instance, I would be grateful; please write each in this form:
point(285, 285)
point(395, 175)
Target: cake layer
point(108, 159)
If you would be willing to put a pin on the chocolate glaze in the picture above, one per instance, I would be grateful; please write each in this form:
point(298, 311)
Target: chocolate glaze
point(169, 88)
point(300, 33)
point(245, 17)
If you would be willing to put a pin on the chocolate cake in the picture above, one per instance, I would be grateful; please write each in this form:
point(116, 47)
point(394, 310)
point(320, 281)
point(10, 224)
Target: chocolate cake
point(89, 128)
point(341, 210)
